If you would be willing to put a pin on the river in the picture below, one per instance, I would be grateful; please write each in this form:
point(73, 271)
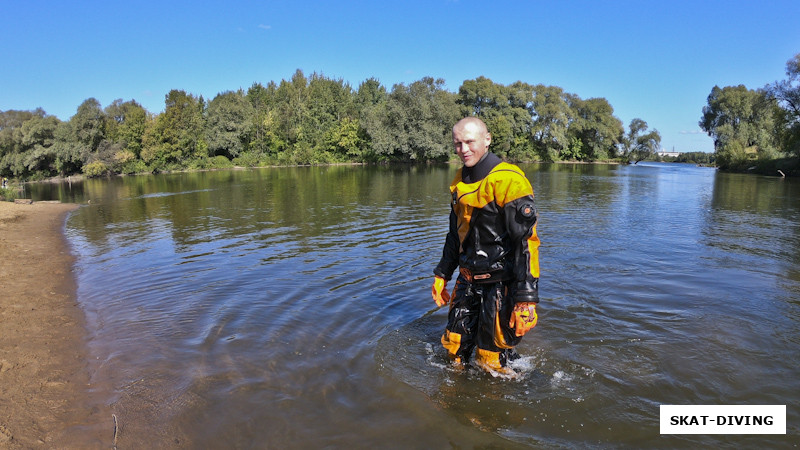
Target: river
point(291, 308)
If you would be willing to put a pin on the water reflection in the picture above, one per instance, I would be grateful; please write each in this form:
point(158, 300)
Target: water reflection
point(290, 307)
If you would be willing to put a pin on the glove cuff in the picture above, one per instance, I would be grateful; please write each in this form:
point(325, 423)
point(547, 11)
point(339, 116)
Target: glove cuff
point(438, 272)
point(525, 291)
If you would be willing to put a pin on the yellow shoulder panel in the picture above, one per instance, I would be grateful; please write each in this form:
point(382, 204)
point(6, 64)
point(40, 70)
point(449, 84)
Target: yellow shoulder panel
point(505, 183)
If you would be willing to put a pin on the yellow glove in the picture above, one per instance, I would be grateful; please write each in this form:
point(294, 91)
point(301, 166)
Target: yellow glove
point(439, 291)
point(523, 318)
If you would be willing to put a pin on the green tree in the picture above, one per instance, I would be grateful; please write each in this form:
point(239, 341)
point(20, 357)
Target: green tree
point(177, 135)
point(551, 118)
point(38, 137)
point(291, 105)
point(505, 109)
point(371, 102)
point(417, 124)
point(11, 147)
point(520, 116)
point(370, 92)
point(743, 124)
point(88, 126)
point(26, 144)
point(126, 123)
point(502, 131)
point(639, 143)
point(343, 141)
point(92, 138)
point(107, 160)
point(229, 124)
point(69, 156)
point(266, 136)
point(330, 102)
point(482, 97)
point(306, 111)
point(595, 127)
point(787, 94)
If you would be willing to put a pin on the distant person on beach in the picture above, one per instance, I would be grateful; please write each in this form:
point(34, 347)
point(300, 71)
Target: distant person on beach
point(492, 240)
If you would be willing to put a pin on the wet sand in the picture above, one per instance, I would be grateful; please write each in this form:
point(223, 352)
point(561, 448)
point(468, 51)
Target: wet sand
point(44, 378)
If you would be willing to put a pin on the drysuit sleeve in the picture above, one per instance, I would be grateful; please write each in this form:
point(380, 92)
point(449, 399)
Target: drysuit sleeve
point(447, 265)
point(520, 219)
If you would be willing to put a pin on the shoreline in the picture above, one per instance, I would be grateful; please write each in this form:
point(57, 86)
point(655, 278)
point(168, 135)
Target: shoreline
point(45, 398)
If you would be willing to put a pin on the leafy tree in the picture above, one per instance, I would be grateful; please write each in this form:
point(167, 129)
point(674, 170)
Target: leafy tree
point(306, 110)
point(330, 102)
point(126, 123)
point(743, 124)
point(482, 97)
point(11, 147)
point(787, 94)
point(502, 132)
point(551, 118)
point(88, 126)
point(371, 100)
point(78, 140)
point(505, 109)
point(176, 137)
point(291, 105)
point(110, 157)
point(96, 169)
point(229, 124)
point(639, 143)
point(520, 115)
point(69, 157)
point(344, 140)
point(417, 124)
point(371, 92)
point(266, 138)
point(38, 137)
point(596, 127)
point(30, 143)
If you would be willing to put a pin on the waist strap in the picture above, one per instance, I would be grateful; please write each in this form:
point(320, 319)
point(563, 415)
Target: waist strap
point(482, 277)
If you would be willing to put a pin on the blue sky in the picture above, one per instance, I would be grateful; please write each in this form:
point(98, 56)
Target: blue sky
point(651, 60)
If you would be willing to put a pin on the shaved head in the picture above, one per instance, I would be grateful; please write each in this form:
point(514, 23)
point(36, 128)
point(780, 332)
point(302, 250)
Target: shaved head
point(471, 139)
point(472, 121)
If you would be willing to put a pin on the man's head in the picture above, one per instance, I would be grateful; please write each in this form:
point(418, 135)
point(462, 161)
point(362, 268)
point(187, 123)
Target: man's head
point(471, 140)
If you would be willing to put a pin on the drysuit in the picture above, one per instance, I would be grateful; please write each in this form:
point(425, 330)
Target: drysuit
point(492, 240)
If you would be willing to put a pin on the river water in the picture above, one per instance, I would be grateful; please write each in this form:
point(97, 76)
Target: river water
point(290, 308)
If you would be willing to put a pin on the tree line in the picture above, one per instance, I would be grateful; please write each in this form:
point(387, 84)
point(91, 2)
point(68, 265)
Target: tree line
point(315, 120)
point(756, 129)
point(701, 158)
point(319, 120)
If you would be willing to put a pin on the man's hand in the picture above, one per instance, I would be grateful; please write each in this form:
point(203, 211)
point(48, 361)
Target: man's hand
point(523, 318)
point(439, 291)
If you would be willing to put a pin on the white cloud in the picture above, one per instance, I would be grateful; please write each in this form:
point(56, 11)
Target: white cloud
point(692, 132)
point(264, 27)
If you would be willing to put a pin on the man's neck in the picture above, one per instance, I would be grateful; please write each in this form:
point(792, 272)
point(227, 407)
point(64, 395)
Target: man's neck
point(481, 169)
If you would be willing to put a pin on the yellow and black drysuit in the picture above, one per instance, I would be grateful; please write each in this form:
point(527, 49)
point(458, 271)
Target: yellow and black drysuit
point(492, 240)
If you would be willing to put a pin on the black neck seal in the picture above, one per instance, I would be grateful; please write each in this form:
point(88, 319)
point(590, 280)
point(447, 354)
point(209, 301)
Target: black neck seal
point(481, 169)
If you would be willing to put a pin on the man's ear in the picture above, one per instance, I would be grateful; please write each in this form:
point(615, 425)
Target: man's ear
point(488, 139)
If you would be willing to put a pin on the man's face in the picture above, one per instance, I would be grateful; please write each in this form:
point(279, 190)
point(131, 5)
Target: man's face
point(471, 142)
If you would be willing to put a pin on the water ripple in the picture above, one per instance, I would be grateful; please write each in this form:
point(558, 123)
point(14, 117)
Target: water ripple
point(232, 308)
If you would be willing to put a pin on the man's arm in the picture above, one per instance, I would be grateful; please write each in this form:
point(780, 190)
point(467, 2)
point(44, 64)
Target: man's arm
point(521, 217)
point(449, 262)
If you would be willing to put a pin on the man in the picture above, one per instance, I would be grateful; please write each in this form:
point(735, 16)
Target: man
point(492, 240)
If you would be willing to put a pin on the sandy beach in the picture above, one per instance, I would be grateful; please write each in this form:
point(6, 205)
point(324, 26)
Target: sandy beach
point(44, 378)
